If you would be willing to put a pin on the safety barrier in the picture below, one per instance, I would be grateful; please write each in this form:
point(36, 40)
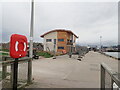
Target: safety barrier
point(7, 65)
point(109, 79)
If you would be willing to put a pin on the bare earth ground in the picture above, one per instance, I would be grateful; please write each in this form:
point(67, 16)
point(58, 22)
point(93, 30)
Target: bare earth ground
point(65, 72)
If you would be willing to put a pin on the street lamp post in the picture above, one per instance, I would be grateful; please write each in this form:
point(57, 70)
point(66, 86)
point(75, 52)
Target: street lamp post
point(31, 43)
point(31, 29)
point(100, 43)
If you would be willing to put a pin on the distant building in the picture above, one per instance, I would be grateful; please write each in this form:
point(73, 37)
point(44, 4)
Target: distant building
point(63, 39)
point(92, 47)
point(5, 46)
point(38, 46)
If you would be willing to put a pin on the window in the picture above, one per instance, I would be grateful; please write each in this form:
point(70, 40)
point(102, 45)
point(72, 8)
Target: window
point(48, 40)
point(60, 47)
point(54, 41)
point(61, 40)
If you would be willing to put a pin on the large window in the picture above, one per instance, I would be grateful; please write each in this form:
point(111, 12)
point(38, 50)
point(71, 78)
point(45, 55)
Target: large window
point(61, 40)
point(48, 40)
point(60, 47)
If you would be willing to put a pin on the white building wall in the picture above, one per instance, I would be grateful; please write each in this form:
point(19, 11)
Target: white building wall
point(50, 45)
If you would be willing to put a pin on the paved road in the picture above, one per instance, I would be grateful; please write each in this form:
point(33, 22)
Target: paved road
point(64, 72)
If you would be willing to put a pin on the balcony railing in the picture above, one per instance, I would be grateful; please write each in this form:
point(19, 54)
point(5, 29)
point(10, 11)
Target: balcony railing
point(69, 43)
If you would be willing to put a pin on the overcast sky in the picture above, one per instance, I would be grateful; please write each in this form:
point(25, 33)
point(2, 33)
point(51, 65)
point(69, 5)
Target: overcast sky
point(88, 20)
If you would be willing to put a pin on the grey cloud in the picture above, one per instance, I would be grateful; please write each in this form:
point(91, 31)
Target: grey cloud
point(88, 20)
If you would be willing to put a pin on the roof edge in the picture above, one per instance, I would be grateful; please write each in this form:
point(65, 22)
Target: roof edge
point(59, 30)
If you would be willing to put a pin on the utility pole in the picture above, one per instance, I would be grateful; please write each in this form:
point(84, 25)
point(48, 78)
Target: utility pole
point(100, 43)
point(31, 43)
point(31, 29)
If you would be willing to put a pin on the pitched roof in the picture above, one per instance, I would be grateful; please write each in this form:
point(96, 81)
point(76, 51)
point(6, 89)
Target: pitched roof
point(56, 30)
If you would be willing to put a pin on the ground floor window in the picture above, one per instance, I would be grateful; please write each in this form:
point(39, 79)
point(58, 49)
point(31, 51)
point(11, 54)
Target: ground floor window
point(60, 47)
point(61, 40)
point(48, 40)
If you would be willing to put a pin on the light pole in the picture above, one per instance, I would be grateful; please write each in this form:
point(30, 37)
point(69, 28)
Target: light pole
point(31, 43)
point(100, 43)
point(31, 29)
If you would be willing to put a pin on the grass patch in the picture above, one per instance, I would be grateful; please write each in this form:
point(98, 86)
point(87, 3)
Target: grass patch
point(5, 50)
point(5, 54)
point(45, 54)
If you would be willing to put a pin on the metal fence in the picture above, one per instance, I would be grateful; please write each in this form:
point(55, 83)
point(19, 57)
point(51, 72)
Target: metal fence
point(109, 79)
point(7, 65)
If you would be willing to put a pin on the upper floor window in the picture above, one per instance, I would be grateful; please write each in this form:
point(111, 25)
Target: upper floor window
point(54, 41)
point(60, 47)
point(60, 40)
point(48, 40)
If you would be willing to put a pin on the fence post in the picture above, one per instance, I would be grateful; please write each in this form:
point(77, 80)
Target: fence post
point(15, 74)
point(102, 78)
point(11, 76)
point(4, 68)
point(111, 84)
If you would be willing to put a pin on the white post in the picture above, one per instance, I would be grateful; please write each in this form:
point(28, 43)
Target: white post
point(31, 43)
point(100, 43)
point(31, 29)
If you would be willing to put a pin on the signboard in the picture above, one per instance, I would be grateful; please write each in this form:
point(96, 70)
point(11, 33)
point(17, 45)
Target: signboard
point(18, 46)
